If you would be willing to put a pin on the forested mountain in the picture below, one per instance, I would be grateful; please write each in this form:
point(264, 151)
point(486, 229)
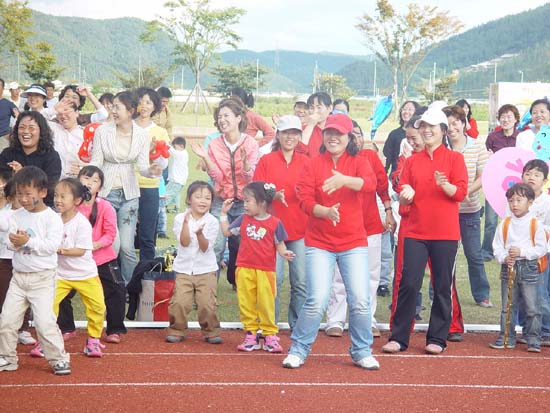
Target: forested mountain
point(105, 47)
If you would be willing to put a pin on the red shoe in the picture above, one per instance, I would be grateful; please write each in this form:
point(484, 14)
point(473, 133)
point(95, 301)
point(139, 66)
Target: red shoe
point(113, 338)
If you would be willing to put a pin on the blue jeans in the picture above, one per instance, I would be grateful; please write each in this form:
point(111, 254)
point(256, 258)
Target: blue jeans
point(233, 242)
point(544, 307)
point(491, 221)
point(526, 294)
point(319, 274)
point(161, 218)
point(173, 194)
point(470, 232)
point(127, 216)
point(148, 213)
point(387, 258)
point(297, 277)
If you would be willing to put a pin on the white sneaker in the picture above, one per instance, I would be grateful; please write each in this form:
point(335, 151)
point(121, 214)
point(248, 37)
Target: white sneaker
point(292, 362)
point(25, 338)
point(368, 363)
point(5, 365)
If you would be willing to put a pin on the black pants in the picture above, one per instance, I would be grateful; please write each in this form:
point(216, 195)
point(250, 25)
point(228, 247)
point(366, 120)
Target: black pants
point(115, 302)
point(233, 243)
point(442, 254)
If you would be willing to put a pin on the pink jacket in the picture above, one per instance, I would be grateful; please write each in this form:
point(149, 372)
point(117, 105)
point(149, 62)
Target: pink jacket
point(228, 174)
point(104, 231)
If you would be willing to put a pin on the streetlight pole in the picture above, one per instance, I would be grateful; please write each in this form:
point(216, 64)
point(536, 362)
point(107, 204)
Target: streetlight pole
point(496, 65)
point(521, 73)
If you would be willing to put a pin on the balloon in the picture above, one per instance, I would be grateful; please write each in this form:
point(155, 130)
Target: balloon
point(503, 170)
point(85, 151)
point(161, 149)
point(541, 143)
point(381, 112)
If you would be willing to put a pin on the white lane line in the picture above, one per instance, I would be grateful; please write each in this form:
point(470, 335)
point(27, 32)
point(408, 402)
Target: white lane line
point(265, 354)
point(279, 385)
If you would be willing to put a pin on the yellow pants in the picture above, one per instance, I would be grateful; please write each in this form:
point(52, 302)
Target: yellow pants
point(256, 291)
point(91, 293)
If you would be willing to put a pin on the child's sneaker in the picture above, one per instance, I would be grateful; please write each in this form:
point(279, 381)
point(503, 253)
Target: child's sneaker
point(37, 350)
point(271, 344)
point(5, 365)
point(61, 368)
point(68, 335)
point(25, 338)
point(113, 338)
point(214, 340)
point(292, 362)
point(93, 347)
point(498, 344)
point(533, 348)
point(250, 343)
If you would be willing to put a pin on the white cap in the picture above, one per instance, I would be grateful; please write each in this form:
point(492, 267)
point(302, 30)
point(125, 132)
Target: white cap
point(13, 85)
point(437, 104)
point(301, 99)
point(289, 122)
point(34, 88)
point(432, 116)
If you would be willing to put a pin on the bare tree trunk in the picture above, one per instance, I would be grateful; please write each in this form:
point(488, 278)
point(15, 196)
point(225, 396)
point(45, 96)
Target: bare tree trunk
point(396, 94)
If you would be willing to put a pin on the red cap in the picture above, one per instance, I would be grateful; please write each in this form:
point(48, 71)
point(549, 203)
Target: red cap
point(340, 122)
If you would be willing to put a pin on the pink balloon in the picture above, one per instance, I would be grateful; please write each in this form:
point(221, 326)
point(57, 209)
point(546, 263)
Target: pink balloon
point(503, 170)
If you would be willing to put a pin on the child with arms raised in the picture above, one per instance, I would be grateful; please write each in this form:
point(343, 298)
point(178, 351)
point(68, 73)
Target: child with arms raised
point(35, 238)
point(262, 236)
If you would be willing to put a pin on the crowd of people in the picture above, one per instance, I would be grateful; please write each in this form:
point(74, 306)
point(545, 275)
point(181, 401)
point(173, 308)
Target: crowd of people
point(309, 191)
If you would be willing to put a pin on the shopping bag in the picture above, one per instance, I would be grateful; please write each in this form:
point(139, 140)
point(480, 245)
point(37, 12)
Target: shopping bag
point(157, 289)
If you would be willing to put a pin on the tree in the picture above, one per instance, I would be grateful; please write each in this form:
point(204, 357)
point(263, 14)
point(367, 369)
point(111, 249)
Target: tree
point(243, 75)
point(40, 63)
point(15, 22)
point(198, 31)
point(334, 85)
point(441, 90)
point(402, 41)
point(149, 76)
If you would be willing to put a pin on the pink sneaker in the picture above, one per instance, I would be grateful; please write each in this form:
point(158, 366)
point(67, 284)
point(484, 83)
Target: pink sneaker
point(37, 351)
point(93, 347)
point(113, 338)
point(271, 344)
point(68, 335)
point(250, 343)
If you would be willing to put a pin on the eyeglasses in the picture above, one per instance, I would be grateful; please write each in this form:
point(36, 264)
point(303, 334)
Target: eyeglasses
point(22, 128)
point(507, 117)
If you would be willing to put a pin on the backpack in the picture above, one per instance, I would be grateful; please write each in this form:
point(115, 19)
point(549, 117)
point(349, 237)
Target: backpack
point(542, 262)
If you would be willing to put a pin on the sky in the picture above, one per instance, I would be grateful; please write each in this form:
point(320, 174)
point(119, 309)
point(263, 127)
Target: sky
point(306, 25)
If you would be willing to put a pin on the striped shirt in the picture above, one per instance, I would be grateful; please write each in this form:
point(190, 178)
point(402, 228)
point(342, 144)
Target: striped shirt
point(104, 156)
point(475, 157)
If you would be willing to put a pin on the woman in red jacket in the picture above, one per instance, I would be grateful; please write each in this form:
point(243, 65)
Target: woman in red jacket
point(330, 189)
point(433, 182)
point(471, 125)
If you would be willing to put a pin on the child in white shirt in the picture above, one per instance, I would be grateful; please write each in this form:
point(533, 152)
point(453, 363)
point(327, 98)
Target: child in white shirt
point(35, 237)
point(519, 242)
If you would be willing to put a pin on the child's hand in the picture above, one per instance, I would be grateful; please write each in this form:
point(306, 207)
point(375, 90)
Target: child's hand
point(514, 252)
point(199, 229)
point(510, 261)
point(288, 255)
point(227, 204)
point(19, 239)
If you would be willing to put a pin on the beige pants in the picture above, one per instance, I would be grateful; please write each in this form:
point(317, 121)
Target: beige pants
point(201, 289)
point(36, 289)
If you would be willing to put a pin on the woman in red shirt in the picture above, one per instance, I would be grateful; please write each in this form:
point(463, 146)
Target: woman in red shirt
point(282, 167)
point(471, 125)
point(330, 189)
point(433, 182)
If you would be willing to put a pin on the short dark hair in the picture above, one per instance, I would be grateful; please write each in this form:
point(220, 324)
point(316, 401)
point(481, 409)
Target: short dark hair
point(45, 142)
point(179, 140)
point(6, 174)
point(153, 95)
point(322, 97)
point(462, 103)
point(74, 88)
point(540, 102)
point(48, 84)
point(261, 191)
point(10, 189)
point(246, 98)
point(351, 147)
point(164, 92)
point(341, 101)
point(237, 107)
point(195, 186)
point(3, 83)
point(536, 164)
point(412, 121)
point(31, 176)
point(508, 108)
point(412, 102)
point(128, 99)
point(522, 190)
point(109, 97)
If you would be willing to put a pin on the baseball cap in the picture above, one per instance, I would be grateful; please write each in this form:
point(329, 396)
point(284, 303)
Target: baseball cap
point(301, 99)
point(438, 104)
point(13, 85)
point(34, 88)
point(342, 123)
point(289, 122)
point(433, 116)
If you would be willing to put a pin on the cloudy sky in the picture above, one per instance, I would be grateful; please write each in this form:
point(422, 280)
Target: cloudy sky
point(307, 25)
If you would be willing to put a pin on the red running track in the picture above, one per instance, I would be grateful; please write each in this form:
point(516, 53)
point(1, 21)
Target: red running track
point(144, 373)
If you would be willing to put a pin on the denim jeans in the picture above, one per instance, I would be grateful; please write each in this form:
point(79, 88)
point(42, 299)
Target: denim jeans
point(161, 218)
point(127, 216)
point(527, 286)
point(233, 242)
point(544, 307)
point(297, 278)
point(491, 221)
point(386, 259)
point(173, 194)
point(319, 274)
point(470, 232)
point(148, 213)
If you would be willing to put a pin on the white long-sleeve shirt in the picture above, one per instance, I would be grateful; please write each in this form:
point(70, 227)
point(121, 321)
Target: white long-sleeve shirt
point(519, 235)
point(179, 168)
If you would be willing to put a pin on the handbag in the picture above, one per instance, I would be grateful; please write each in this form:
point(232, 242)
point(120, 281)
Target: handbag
point(157, 288)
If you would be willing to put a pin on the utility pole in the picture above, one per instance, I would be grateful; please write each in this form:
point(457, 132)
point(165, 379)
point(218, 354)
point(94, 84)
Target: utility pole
point(257, 76)
point(374, 82)
point(182, 68)
point(496, 65)
point(79, 68)
point(521, 73)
